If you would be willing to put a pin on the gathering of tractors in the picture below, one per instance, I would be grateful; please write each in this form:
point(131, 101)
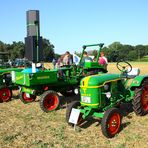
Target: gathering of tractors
point(100, 93)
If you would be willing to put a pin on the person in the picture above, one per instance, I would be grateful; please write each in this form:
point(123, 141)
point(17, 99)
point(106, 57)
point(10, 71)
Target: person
point(103, 60)
point(54, 62)
point(59, 63)
point(86, 58)
point(67, 60)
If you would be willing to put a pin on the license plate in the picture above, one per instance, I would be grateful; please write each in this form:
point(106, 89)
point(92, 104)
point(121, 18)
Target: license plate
point(86, 99)
point(74, 116)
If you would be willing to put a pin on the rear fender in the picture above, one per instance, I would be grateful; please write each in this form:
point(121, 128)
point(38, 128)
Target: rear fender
point(137, 81)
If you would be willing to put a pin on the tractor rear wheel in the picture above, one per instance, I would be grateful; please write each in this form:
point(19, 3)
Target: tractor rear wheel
point(49, 101)
point(74, 104)
point(27, 98)
point(5, 94)
point(111, 122)
point(140, 100)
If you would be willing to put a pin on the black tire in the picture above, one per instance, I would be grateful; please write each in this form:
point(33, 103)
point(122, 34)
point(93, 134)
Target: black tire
point(74, 104)
point(25, 99)
point(111, 122)
point(49, 101)
point(140, 100)
point(5, 94)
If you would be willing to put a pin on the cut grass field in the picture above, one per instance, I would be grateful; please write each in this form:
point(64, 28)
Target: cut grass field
point(25, 125)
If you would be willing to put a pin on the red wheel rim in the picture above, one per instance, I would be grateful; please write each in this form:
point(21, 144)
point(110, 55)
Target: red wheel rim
point(51, 102)
point(114, 124)
point(27, 99)
point(5, 94)
point(144, 98)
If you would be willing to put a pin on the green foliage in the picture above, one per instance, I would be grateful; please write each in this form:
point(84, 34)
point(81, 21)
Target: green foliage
point(48, 50)
point(114, 52)
point(17, 50)
point(56, 56)
point(117, 51)
point(143, 59)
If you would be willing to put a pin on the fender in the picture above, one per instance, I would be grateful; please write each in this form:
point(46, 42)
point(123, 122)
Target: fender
point(27, 90)
point(137, 81)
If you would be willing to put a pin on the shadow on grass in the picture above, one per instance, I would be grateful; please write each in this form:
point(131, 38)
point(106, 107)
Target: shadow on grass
point(124, 125)
point(89, 121)
point(125, 109)
point(15, 97)
point(68, 99)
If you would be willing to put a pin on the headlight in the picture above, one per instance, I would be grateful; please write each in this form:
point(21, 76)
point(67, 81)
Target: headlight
point(108, 95)
point(106, 87)
point(76, 91)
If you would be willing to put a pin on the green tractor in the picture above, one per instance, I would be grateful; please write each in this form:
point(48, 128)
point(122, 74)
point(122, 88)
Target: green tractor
point(46, 83)
point(6, 85)
point(102, 95)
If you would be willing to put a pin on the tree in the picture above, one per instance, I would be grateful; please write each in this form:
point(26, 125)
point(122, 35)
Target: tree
point(132, 55)
point(114, 54)
point(3, 47)
point(140, 51)
point(48, 50)
point(16, 49)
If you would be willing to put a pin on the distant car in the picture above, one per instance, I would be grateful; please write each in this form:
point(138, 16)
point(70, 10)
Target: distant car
point(21, 63)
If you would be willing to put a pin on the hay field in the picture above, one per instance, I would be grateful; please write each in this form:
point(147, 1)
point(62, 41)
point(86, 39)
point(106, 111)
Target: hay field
point(26, 126)
point(143, 66)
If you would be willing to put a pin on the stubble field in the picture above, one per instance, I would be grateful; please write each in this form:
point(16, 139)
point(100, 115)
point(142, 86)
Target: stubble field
point(25, 125)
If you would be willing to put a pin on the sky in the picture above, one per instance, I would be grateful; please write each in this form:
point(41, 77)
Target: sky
point(70, 24)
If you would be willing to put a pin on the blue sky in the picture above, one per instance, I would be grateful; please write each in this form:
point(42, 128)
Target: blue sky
point(69, 24)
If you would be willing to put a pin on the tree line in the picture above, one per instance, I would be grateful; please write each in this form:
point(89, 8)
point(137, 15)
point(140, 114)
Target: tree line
point(117, 51)
point(17, 50)
point(114, 52)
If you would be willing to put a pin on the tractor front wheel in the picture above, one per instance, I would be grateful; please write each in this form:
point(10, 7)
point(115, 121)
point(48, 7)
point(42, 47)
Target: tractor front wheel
point(140, 100)
point(111, 122)
point(74, 104)
point(5, 94)
point(27, 98)
point(49, 101)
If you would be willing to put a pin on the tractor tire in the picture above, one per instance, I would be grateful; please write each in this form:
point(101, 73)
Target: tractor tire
point(111, 122)
point(140, 100)
point(74, 104)
point(5, 94)
point(49, 101)
point(25, 99)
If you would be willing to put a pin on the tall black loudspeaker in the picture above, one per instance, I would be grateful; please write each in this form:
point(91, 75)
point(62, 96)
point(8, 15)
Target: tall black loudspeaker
point(33, 48)
point(33, 23)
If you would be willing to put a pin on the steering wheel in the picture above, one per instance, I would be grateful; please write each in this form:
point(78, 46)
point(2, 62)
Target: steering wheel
point(124, 66)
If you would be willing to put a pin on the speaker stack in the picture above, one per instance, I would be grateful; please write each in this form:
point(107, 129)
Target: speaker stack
point(33, 41)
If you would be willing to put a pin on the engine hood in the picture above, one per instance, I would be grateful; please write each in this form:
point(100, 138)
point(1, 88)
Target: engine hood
point(95, 81)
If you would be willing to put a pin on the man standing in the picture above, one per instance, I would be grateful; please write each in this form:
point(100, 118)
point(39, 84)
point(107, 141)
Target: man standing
point(86, 58)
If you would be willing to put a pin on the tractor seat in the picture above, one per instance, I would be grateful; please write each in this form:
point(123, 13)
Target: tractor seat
point(133, 73)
